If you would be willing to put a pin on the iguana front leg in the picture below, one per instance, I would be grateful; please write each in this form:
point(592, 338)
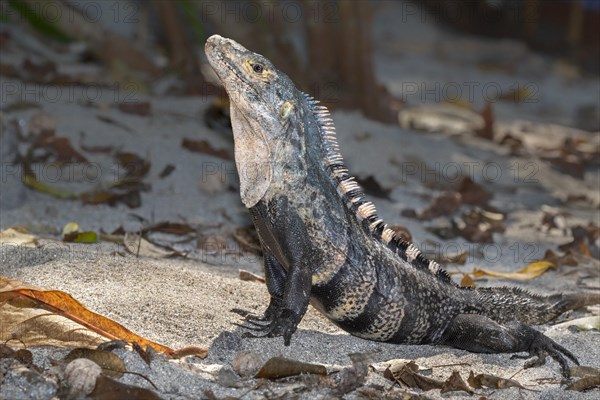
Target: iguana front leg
point(286, 309)
point(480, 334)
point(289, 287)
point(275, 277)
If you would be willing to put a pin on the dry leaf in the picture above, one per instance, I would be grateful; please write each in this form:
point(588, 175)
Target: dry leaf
point(354, 377)
point(279, 367)
point(247, 363)
point(406, 374)
point(531, 271)
point(455, 383)
point(110, 363)
point(487, 114)
point(467, 281)
point(137, 108)
point(139, 246)
point(250, 277)
point(473, 193)
point(17, 236)
point(109, 389)
point(33, 316)
point(581, 371)
point(584, 323)
point(486, 380)
point(444, 204)
point(585, 383)
point(174, 228)
point(187, 351)
point(202, 146)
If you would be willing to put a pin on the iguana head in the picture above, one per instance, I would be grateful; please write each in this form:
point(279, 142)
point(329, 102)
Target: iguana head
point(262, 99)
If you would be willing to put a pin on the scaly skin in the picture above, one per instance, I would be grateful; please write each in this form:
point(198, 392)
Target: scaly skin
point(324, 243)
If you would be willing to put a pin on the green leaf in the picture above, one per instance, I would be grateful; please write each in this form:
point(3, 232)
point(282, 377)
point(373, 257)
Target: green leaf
point(86, 237)
point(39, 22)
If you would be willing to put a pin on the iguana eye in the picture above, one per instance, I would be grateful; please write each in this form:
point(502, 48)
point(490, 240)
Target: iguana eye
point(258, 68)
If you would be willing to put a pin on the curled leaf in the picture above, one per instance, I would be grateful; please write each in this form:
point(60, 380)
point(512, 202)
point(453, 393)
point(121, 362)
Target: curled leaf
point(406, 374)
point(279, 367)
point(531, 271)
point(17, 236)
point(110, 363)
point(34, 316)
point(585, 383)
point(486, 380)
point(467, 281)
point(455, 383)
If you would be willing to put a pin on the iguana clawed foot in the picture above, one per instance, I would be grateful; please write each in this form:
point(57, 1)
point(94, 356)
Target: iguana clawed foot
point(541, 346)
point(283, 324)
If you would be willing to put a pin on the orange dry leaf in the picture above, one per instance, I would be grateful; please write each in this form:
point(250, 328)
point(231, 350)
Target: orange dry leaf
point(34, 316)
point(531, 271)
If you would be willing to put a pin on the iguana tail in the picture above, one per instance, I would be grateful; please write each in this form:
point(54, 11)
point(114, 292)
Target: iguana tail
point(504, 304)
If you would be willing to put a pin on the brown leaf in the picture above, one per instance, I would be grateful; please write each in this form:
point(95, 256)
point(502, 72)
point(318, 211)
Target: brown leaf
point(567, 259)
point(174, 228)
point(110, 363)
point(581, 371)
point(17, 236)
point(373, 187)
point(145, 355)
point(24, 356)
point(486, 380)
point(250, 277)
point(56, 148)
point(279, 367)
point(202, 146)
point(109, 389)
point(444, 204)
point(39, 316)
point(196, 351)
point(584, 241)
point(134, 165)
point(467, 281)
point(455, 383)
point(138, 108)
point(39, 72)
point(585, 383)
point(473, 193)
point(406, 374)
point(514, 144)
point(487, 131)
point(531, 271)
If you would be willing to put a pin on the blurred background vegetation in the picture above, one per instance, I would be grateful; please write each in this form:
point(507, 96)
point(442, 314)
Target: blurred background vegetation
point(325, 46)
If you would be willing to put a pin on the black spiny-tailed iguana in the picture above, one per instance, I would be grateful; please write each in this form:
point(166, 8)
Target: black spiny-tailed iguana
point(323, 242)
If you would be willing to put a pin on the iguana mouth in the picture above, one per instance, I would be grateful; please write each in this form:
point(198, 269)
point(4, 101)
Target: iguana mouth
point(216, 57)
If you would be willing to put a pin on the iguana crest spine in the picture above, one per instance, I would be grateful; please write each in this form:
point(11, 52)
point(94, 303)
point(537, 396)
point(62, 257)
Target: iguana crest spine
point(356, 201)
